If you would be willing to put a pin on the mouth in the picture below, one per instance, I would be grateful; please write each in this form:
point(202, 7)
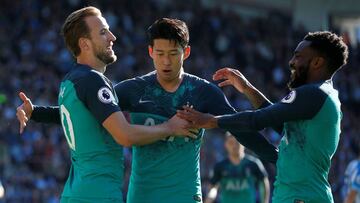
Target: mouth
point(292, 70)
point(109, 49)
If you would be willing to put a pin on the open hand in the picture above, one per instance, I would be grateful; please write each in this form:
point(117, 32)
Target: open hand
point(232, 77)
point(197, 119)
point(24, 111)
point(181, 127)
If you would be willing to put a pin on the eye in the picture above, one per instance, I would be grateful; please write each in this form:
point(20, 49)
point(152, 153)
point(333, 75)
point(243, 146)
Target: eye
point(104, 31)
point(297, 55)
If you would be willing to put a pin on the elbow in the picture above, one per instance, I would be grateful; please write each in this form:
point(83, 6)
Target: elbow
point(124, 140)
point(126, 143)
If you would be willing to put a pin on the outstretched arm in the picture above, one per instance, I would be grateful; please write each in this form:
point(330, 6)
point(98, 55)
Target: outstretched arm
point(218, 105)
point(27, 111)
point(24, 111)
point(46, 114)
point(127, 134)
point(237, 79)
point(295, 106)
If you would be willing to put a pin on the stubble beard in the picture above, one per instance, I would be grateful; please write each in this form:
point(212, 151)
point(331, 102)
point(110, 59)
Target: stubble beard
point(106, 57)
point(299, 77)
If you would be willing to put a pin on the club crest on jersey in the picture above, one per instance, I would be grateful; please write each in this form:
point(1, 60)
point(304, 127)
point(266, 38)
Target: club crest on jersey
point(105, 95)
point(289, 98)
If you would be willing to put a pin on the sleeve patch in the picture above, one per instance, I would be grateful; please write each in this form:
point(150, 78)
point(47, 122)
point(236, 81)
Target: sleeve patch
point(290, 98)
point(106, 96)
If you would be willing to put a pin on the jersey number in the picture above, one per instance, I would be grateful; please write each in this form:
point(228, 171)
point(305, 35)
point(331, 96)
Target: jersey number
point(67, 127)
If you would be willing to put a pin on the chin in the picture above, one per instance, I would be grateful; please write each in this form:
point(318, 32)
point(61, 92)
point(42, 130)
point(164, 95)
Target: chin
point(111, 59)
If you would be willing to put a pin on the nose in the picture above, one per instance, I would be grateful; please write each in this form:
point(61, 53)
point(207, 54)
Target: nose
point(292, 62)
point(166, 60)
point(112, 37)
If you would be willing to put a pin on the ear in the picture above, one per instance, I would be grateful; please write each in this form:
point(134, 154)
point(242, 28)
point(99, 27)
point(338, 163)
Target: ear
point(187, 51)
point(151, 51)
point(84, 44)
point(318, 62)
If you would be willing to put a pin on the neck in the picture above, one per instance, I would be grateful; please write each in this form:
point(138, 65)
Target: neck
point(171, 85)
point(93, 62)
point(236, 158)
point(319, 76)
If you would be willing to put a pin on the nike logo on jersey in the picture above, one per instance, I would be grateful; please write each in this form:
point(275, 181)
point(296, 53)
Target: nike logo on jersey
point(142, 101)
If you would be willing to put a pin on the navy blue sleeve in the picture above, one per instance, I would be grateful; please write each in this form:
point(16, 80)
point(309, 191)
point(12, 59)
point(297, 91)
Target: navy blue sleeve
point(46, 114)
point(98, 96)
point(216, 174)
point(217, 104)
point(265, 104)
point(300, 104)
point(214, 100)
point(279, 128)
point(123, 90)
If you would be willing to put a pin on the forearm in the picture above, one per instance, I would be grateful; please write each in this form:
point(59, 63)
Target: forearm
point(142, 135)
point(127, 135)
point(46, 114)
point(242, 121)
point(256, 98)
point(273, 115)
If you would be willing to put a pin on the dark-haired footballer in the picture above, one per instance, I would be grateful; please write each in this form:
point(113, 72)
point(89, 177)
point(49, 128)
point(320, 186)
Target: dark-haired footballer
point(309, 118)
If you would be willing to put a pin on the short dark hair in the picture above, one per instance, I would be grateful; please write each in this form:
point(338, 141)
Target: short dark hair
point(75, 27)
point(171, 29)
point(331, 47)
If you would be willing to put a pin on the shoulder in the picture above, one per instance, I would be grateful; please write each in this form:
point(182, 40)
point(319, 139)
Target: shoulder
point(201, 83)
point(195, 79)
point(86, 77)
point(138, 81)
point(306, 93)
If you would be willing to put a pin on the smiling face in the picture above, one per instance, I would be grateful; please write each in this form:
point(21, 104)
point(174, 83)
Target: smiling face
point(300, 64)
point(101, 39)
point(168, 57)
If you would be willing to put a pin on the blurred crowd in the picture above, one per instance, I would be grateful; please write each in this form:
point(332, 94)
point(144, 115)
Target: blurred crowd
point(33, 59)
